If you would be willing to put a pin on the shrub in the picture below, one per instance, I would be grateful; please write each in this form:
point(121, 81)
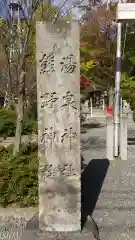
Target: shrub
point(8, 123)
point(31, 111)
point(29, 126)
point(19, 178)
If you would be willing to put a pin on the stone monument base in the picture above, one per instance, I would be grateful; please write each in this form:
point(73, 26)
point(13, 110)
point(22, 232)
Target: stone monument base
point(34, 234)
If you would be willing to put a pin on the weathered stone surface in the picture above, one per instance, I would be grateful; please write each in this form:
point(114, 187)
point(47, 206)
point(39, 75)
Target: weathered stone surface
point(59, 127)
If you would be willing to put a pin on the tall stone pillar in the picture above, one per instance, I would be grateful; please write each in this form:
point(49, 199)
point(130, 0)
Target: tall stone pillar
point(58, 94)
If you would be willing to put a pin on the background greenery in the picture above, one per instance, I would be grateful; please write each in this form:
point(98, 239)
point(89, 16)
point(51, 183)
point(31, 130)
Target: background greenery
point(19, 177)
point(8, 123)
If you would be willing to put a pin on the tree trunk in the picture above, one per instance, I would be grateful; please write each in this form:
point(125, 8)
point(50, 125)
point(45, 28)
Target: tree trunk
point(9, 100)
point(9, 91)
point(20, 114)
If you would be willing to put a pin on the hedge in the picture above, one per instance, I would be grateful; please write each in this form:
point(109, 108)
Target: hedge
point(8, 123)
point(19, 177)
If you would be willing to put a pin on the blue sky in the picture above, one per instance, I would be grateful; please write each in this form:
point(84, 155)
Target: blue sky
point(4, 11)
point(4, 8)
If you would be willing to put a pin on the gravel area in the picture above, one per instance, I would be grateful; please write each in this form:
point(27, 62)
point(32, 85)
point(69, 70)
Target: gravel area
point(13, 221)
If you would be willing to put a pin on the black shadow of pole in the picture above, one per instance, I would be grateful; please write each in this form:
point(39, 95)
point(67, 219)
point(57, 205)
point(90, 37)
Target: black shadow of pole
point(91, 183)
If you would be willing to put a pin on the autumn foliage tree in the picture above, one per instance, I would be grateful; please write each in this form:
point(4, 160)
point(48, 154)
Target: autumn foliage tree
point(98, 30)
point(86, 65)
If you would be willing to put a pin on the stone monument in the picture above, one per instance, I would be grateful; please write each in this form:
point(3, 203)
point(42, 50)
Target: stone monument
point(58, 93)
point(87, 110)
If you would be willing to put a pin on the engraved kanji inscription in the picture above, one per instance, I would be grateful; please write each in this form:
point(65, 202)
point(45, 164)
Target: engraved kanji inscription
point(65, 170)
point(48, 171)
point(48, 137)
point(47, 63)
point(69, 100)
point(68, 65)
point(68, 136)
point(48, 99)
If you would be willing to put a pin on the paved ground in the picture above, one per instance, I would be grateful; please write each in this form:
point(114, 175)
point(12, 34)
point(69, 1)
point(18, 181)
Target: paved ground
point(22, 224)
point(111, 197)
point(114, 202)
point(13, 221)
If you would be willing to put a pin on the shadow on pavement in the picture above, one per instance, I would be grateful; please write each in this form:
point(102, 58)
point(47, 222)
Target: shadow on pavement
point(33, 223)
point(31, 229)
point(131, 141)
point(91, 183)
point(90, 125)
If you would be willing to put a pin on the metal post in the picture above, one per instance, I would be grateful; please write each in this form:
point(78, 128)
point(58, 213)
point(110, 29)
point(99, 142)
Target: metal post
point(121, 106)
point(123, 137)
point(91, 107)
point(117, 92)
point(109, 138)
point(103, 104)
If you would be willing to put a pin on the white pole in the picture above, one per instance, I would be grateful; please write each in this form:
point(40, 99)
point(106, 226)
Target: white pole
point(91, 107)
point(117, 92)
point(121, 106)
point(103, 104)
